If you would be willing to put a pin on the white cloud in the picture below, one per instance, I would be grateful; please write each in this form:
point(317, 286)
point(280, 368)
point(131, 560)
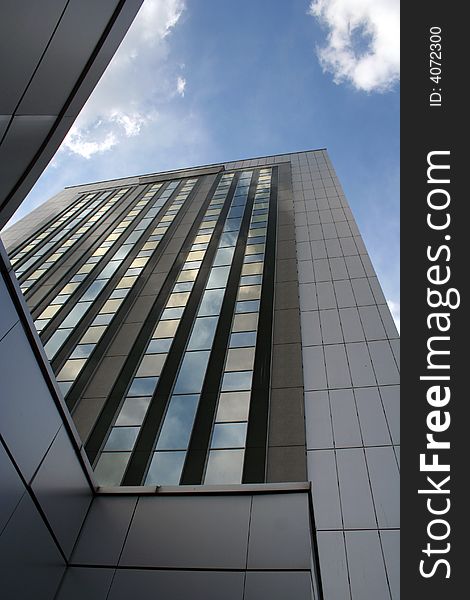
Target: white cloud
point(395, 310)
point(139, 79)
point(363, 42)
point(180, 86)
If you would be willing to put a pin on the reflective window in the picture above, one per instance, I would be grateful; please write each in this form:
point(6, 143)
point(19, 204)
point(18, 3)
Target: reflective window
point(75, 314)
point(224, 256)
point(82, 351)
point(142, 386)
point(179, 299)
point(251, 280)
point(151, 365)
point(224, 467)
point(172, 313)
point(121, 438)
point(247, 306)
point(203, 333)
point(240, 380)
point(166, 329)
point(133, 411)
point(93, 334)
point(249, 292)
point(191, 375)
point(240, 359)
point(111, 306)
point(110, 468)
point(102, 319)
point(178, 423)
point(56, 341)
point(165, 468)
point(228, 239)
point(211, 302)
point(246, 322)
point(233, 406)
point(94, 289)
point(218, 277)
point(252, 268)
point(229, 435)
point(243, 339)
point(71, 369)
point(160, 345)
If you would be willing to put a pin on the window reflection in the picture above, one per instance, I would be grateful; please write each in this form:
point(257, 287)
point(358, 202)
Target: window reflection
point(240, 380)
point(233, 406)
point(229, 435)
point(211, 303)
point(121, 438)
point(151, 364)
point(224, 467)
point(218, 277)
point(192, 372)
point(165, 468)
point(110, 468)
point(133, 411)
point(240, 359)
point(203, 333)
point(142, 386)
point(178, 423)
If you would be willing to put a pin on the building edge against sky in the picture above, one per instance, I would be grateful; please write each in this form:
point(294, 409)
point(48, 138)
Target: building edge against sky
point(342, 415)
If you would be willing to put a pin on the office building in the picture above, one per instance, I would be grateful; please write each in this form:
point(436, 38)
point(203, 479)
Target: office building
point(222, 355)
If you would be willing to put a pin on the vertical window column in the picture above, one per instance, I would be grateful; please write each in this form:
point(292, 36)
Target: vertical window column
point(113, 460)
point(228, 438)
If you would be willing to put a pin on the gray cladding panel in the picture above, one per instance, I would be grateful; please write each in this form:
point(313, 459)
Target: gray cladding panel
point(346, 428)
point(63, 491)
point(29, 570)
point(326, 499)
point(18, 414)
point(374, 427)
point(19, 146)
point(172, 532)
point(176, 585)
point(8, 314)
point(278, 585)
point(356, 497)
point(318, 420)
point(333, 564)
point(366, 566)
point(279, 532)
point(89, 583)
point(38, 21)
point(12, 488)
point(71, 46)
point(391, 548)
point(385, 483)
point(104, 531)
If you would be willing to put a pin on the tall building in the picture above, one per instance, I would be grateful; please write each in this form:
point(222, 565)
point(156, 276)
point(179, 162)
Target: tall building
point(222, 344)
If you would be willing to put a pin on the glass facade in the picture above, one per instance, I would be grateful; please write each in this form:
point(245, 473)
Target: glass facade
point(212, 293)
point(42, 259)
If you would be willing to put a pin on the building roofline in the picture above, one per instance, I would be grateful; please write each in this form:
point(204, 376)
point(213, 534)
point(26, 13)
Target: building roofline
point(173, 171)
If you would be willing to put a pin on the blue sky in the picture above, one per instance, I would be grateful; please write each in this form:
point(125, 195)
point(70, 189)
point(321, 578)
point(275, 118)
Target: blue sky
point(202, 81)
